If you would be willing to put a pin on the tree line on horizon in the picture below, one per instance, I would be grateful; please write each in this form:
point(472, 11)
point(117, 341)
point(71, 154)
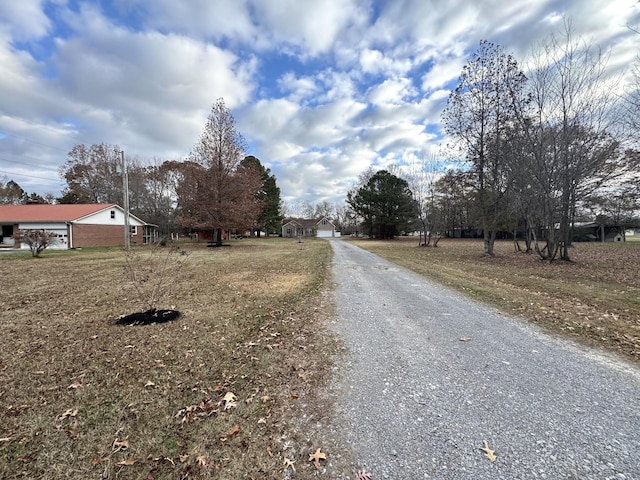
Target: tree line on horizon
point(216, 188)
point(535, 152)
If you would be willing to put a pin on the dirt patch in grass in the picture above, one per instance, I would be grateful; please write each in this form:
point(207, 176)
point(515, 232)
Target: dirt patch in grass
point(227, 391)
point(595, 300)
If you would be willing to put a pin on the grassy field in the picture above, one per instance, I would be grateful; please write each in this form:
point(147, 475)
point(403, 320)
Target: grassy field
point(234, 388)
point(211, 395)
point(595, 300)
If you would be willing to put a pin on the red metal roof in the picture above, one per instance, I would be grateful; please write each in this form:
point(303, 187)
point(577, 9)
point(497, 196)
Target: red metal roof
point(49, 213)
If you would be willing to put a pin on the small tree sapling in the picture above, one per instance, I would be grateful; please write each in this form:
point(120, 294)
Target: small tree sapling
point(38, 240)
point(151, 272)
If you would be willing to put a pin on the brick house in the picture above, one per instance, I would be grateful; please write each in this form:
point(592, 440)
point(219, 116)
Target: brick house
point(77, 225)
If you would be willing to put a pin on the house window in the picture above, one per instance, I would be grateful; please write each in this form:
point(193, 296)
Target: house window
point(324, 221)
point(113, 214)
point(133, 229)
point(288, 232)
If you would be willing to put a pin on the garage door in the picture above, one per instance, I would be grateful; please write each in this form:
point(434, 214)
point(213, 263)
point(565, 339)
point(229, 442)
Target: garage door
point(62, 241)
point(324, 233)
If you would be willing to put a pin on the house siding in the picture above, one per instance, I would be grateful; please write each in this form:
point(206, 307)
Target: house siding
point(308, 228)
point(101, 235)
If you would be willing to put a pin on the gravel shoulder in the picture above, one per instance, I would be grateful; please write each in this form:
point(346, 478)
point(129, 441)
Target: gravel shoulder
point(429, 376)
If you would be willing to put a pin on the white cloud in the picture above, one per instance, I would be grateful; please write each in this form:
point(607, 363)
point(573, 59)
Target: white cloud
point(149, 90)
point(314, 26)
point(201, 19)
point(297, 89)
point(377, 63)
point(392, 91)
point(447, 69)
point(24, 20)
point(346, 90)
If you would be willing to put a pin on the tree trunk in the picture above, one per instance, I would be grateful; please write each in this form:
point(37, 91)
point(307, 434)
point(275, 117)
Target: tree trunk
point(489, 238)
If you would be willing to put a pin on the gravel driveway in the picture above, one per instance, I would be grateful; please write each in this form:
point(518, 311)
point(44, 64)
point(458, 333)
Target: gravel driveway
point(431, 375)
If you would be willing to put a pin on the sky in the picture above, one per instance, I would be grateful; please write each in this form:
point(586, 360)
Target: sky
point(320, 89)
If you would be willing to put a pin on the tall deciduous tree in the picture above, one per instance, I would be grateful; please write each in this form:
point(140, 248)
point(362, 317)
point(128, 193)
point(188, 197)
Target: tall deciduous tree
point(422, 178)
point(159, 204)
point(93, 174)
point(455, 199)
point(11, 193)
point(218, 193)
point(386, 204)
point(568, 130)
point(477, 116)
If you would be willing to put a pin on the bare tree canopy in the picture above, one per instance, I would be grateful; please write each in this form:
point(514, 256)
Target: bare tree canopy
point(478, 116)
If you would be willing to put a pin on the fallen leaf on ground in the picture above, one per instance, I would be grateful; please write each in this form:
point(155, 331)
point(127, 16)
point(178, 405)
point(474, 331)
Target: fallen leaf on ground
point(230, 400)
point(202, 460)
point(69, 413)
point(488, 452)
point(117, 445)
point(230, 397)
point(316, 457)
point(149, 384)
point(289, 463)
point(162, 458)
point(129, 461)
point(362, 475)
point(233, 431)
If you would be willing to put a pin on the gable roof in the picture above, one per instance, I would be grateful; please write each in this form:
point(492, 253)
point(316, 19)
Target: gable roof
point(305, 222)
point(51, 213)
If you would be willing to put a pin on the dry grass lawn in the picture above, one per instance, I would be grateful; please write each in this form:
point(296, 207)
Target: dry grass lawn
point(595, 300)
point(211, 395)
point(233, 389)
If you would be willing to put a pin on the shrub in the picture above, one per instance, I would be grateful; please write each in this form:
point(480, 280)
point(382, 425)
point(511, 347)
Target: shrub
point(38, 240)
point(151, 271)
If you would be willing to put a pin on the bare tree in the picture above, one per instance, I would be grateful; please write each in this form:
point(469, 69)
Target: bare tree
point(632, 117)
point(93, 174)
point(11, 193)
point(477, 116)
point(324, 209)
point(568, 130)
point(422, 179)
point(159, 204)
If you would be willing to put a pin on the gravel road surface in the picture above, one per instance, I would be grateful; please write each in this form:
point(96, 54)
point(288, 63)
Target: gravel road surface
point(430, 375)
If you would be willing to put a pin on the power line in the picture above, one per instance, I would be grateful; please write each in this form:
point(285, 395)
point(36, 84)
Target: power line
point(30, 176)
point(12, 134)
point(25, 163)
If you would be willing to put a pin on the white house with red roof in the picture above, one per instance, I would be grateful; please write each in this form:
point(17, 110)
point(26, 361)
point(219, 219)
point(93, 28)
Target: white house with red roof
point(76, 225)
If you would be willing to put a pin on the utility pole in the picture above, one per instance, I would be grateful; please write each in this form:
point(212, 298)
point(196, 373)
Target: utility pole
point(125, 184)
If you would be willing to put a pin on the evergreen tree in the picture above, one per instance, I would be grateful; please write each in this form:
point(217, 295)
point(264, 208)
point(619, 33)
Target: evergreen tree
point(386, 204)
point(269, 196)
